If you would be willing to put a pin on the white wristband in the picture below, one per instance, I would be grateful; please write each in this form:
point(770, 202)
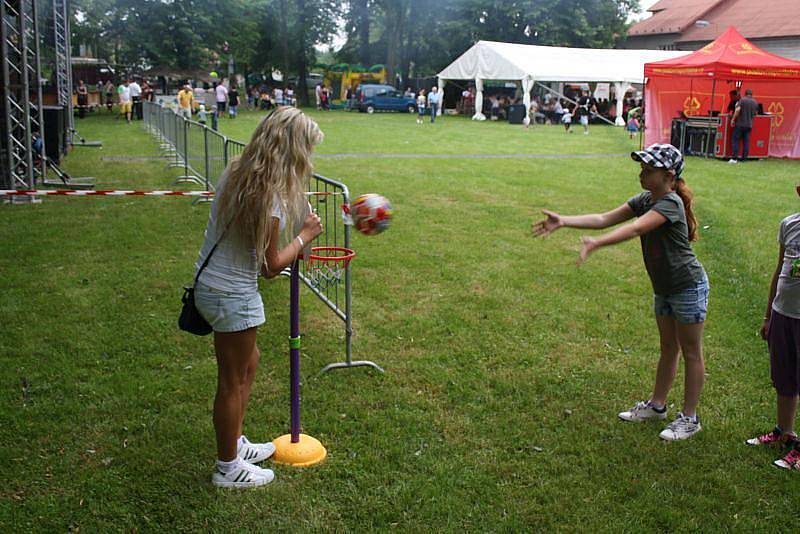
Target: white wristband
point(302, 243)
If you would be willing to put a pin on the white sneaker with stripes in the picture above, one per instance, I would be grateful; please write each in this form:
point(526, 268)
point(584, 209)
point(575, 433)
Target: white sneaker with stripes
point(243, 475)
point(254, 452)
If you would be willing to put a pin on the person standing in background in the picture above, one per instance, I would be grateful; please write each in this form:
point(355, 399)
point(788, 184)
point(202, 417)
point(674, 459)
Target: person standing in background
point(742, 122)
point(222, 99)
point(233, 101)
point(136, 99)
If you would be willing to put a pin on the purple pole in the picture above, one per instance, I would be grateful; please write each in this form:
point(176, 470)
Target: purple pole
point(294, 351)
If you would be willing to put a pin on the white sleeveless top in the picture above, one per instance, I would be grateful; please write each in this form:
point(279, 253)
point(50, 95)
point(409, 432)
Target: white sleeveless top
point(232, 267)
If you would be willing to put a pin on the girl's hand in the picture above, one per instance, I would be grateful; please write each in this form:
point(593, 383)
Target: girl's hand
point(764, 330)
point(312, 227)
point(550, 224)
point(589, 245)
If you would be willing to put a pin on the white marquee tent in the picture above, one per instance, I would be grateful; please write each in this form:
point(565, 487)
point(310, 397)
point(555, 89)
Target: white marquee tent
point(529, 64)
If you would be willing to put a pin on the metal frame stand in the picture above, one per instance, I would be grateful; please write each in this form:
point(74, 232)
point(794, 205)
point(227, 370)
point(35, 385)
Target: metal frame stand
point(21, 75)
point(63, 69)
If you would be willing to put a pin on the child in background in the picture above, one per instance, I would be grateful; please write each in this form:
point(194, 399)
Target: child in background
point(214, 118)
point(632, 126)
point(420, 106)
point(233, 101)
point(666, 225)
point(566, 120)
point(781, 330)
point(201, 114)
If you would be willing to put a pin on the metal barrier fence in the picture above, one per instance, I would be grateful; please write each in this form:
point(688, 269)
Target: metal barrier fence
point(204, 153)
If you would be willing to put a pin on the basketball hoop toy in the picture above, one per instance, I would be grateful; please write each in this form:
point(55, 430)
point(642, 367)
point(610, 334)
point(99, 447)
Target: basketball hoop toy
point(325, 266)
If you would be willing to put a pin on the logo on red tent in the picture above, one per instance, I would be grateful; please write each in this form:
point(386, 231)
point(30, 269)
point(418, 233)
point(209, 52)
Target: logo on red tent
point(746, 49)
point(776, 109)
point(708, 49)
point(691, 106)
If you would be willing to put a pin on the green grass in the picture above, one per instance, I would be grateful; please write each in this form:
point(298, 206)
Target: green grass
point(506, 365)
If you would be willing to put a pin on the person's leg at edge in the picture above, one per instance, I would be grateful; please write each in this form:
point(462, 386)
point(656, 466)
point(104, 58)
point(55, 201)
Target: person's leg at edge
point(746, 142)
point(668, 362)
point(690, 337)
point(735, 143)
point(235, 352)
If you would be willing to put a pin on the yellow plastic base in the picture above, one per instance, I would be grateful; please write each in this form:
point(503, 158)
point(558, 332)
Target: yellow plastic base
point(308, 451)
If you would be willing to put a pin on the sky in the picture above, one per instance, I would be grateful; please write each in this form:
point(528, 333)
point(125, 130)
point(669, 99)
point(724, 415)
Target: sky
point(645, 4)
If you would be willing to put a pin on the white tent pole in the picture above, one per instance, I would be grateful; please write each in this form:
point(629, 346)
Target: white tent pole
point(570, 100)
point(441, 81)
point(479, 116)
point(527, 85)
point(620, 88)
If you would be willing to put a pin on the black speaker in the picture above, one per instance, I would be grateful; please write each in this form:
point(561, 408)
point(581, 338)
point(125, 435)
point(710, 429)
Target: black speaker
point(516, 113)
point(55, 132)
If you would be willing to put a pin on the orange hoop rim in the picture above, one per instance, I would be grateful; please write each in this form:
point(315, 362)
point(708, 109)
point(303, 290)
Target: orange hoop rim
point(342, 254)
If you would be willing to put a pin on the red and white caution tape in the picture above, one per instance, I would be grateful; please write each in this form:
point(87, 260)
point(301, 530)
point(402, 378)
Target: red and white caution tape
point(109, 193)
point(120, 193)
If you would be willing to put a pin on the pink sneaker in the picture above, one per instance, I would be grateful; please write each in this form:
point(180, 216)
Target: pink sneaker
point(776, 438)
point(791, 461)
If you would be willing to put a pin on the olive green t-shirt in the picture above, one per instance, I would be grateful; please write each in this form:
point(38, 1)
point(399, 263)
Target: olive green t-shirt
point(668, 257)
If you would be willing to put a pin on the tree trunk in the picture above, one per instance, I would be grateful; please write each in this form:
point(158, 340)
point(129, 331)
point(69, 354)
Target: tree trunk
point(283, 15)
point(302, 63)
point(362, 10)
point(395, 23)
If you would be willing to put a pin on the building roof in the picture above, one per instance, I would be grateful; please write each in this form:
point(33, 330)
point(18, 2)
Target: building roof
point(673, 16)
point(754, 19)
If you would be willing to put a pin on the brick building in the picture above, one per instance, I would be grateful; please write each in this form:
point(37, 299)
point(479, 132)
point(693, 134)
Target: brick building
point(773, 25)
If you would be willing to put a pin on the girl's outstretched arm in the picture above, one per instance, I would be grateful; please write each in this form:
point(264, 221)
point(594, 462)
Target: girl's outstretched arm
point(277, 260)
point(773, 290)
point(644, 224)
point(553, 221)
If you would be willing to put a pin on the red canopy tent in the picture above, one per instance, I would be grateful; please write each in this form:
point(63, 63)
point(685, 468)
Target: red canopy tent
point(699, 82)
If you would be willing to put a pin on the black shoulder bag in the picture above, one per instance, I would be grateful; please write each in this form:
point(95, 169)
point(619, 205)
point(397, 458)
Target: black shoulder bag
point(190, 319)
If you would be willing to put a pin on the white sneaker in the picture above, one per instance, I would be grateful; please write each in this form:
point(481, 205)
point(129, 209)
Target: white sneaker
point(643, 411)
point(681, 428)
point(244, 475)
point(254, 452)
point(733, 161)
point(585, 133)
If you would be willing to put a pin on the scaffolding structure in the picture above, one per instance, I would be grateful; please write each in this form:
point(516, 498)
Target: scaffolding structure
point(20, 108)
point(63, 66)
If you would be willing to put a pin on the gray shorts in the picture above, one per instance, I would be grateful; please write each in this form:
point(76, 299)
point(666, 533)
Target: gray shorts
point(688, 306)
point(229, 312)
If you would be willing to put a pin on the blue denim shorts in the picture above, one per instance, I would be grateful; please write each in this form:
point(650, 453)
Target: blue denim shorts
point(688, 307)
point(229, 312)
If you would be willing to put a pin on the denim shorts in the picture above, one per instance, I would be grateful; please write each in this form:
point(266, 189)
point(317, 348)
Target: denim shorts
point(229, 312)
point(688, 306)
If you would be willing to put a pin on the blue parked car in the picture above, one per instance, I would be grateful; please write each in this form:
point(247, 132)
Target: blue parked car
point(372, 97)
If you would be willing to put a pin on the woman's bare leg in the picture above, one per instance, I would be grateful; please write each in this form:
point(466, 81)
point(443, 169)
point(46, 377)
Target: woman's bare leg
point(234, 353)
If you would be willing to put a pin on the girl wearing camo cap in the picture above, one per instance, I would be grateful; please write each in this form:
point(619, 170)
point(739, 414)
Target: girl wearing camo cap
point(665, 225)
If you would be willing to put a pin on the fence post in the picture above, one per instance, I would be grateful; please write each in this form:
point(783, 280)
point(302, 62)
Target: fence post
point(207, 172)
point(185, 147)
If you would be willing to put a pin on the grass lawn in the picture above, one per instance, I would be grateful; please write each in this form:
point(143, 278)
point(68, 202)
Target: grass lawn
point(506, 365)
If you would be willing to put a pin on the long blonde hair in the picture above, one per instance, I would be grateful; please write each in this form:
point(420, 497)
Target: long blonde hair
point(276, 163)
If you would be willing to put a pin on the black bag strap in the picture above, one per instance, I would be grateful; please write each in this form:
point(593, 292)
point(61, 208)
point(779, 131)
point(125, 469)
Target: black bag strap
point(205, 262)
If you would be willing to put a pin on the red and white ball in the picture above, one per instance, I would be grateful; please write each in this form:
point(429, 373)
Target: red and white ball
point(371, 214)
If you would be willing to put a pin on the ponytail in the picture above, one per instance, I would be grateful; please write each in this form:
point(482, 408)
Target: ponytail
point(686, 195)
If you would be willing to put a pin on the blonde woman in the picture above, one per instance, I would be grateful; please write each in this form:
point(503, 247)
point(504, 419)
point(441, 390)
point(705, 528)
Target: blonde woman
point(259, 196)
